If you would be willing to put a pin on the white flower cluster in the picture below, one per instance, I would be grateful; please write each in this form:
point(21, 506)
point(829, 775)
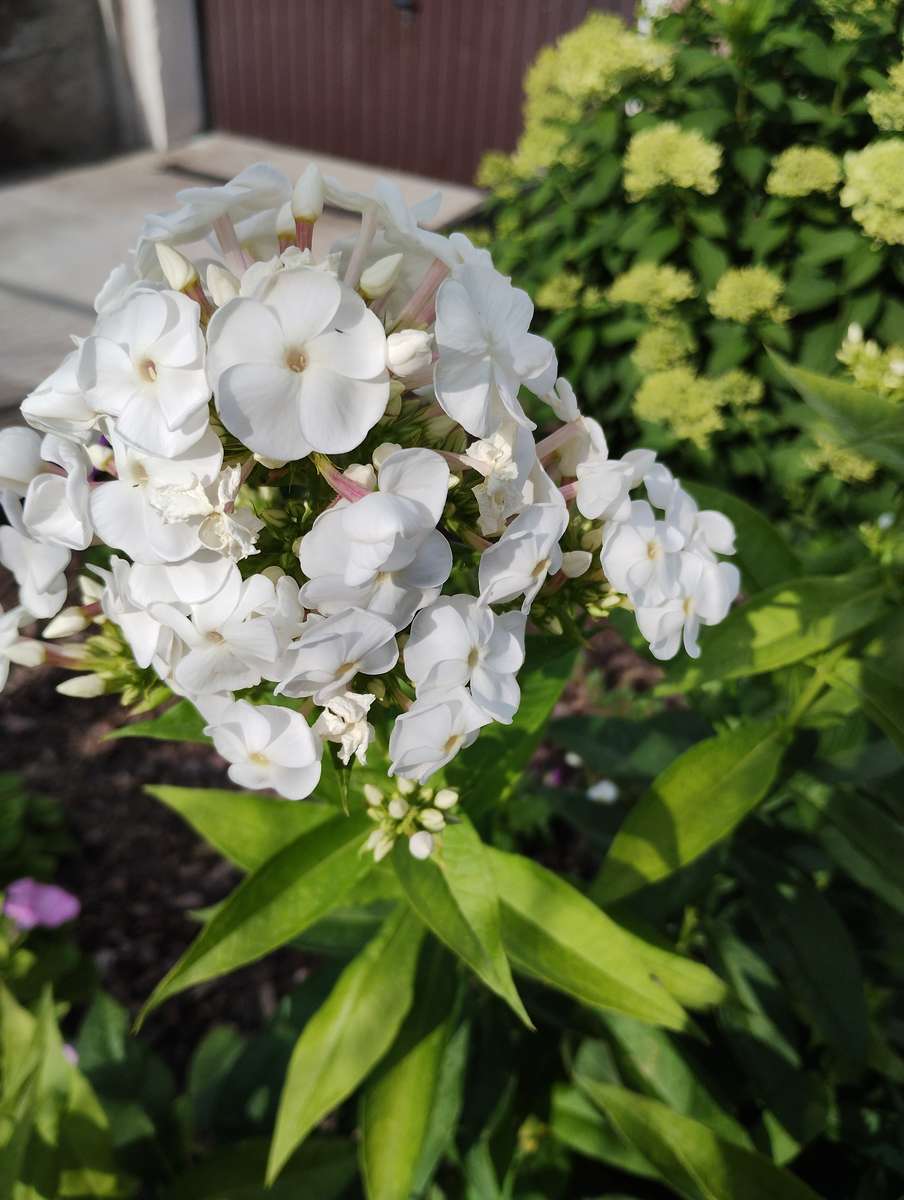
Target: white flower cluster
point(195, 433)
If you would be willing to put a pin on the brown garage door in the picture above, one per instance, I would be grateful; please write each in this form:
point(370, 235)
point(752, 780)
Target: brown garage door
point(417, 85)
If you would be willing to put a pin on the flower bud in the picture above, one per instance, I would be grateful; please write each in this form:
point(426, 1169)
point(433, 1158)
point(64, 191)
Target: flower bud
point(593, 539)
point(274, 573)
point(285, 222)
point(380, 843)
point(421, 844)
point(27, 652)
point(64, 624)
point(84, 687)
point(307, 196)
point(604, 791)
point(380, 276)
point(383, 452)
point(362, 474)
point(409, 352)
point(407, 787)
point(432, 819)
point(398, 807)
point(272, 464)
point(222, 285)
point(576, 563)
point(446, 798)
point(178, 272)
point(373, 795)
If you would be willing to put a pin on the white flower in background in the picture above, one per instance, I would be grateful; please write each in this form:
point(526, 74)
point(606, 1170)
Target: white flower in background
point(301, 367)
point(604, 791)
point(706, 531)
point(458, 641)
point(485, 350)
point(526, 554)
point(505, 460)
point(227, 645)
point(13, 647)
point(382, 552)
point(144, 366)
point(59, 404)
point(640, 556)
point(148, 639)
point(56, 508)
point(563, 401)
point(38, 569)
point(20, 459)
point(286, 614)
point(344, 720)
point(258, 188)
point(707, 590)
point(268, 747)
point(604, 484)
point(333, 650)
point(432, 732)
point(131, 512)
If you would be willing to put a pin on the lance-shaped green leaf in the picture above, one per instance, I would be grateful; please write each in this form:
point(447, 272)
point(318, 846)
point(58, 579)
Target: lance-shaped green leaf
point(246, 827)
point(763, 555)
point(863, 421)
point(698, 1163)
point(397, 1104)
point(323, 1169)
point(554, 934)
point(695, 803)
point(181, 722)
point(689, 982)
point(876, 678)
point(785, 624)
point(349, 1033)
point(283, 897)
point(455, 895)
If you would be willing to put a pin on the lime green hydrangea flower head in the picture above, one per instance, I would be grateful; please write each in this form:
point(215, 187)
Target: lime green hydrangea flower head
point(668, 156)
point(847, 465)
point(662, 346)
point(874, 192)
point(739, 390)
point(852, 18)
point(686, 402)
point(652, 287)
point(747, 294)
point(560, 292)
point(871, 367)
point(802, 170)
point(886, 105)
point(587, 66)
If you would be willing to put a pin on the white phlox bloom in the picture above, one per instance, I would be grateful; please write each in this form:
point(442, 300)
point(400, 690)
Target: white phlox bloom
point(258, 188)
point(458, 641)
point(383, 552)
point(268, 746)
point(331, 651)
point(604, 484)
point(562, 400)
point(640, 556)
point(38, 568)
point(524, 557)
point(20, 459)
point(299, 367)
point(56, 508)
point(505, 460)
point(144, 366)
point(59, 404)
point(485, 350)
point(344, 720)
point(223, 528)
point(432, 732)
point(707, 590)
point(13, 647)
point(290, 259)
point(409, 353)
point(706, 532)
point(225, 644)
point(150, 641)
point(285, 613)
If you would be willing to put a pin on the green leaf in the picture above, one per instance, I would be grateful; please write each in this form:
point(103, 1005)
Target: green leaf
point(455, 896)
point(554, 934)
point(349, 1033)
point(285, 895)
point(322, 1169)
point(863, 421)
point(447, 1106)
point(697, 1163)
point(785, 624)
point(246, 827)
point(689, 982)
point(398, 1101)
point(695, 803)
point(489, 770)
point(764, 557)
point(877, 678)
point(181, 722)
point(578, 1124)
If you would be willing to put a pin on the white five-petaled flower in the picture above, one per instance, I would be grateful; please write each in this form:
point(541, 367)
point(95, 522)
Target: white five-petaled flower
point(38, 568)
point(144, 366)
point(333, 650)
point(56, 506)
point(707, 590)
point(604, 484)
point(20, 459)
point(432, 732)
point(268, 746)
point(148, 639)
point(344, 720)
point(59, 404)
point(299, 367)
point(505, 460)
point(640, 556)
point(485, 350)
point(259, 188)
point(526, 554)
point(458, 641)
point(382, 552)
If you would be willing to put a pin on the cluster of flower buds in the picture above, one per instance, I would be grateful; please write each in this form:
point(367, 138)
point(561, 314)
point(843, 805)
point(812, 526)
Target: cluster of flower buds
point(329, 517)
point(418, 813)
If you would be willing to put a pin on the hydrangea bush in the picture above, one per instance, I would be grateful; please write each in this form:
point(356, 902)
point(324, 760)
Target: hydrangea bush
point(724, 184)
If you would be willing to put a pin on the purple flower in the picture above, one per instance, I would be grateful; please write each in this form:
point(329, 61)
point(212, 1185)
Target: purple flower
point(29, 903)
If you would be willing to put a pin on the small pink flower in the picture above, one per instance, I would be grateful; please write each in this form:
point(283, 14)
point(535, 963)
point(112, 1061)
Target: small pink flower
point(29, 903)
point(70, 1054)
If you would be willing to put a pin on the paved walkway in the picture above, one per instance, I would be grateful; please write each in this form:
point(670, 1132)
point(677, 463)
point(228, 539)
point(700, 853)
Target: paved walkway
point(61, 234)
